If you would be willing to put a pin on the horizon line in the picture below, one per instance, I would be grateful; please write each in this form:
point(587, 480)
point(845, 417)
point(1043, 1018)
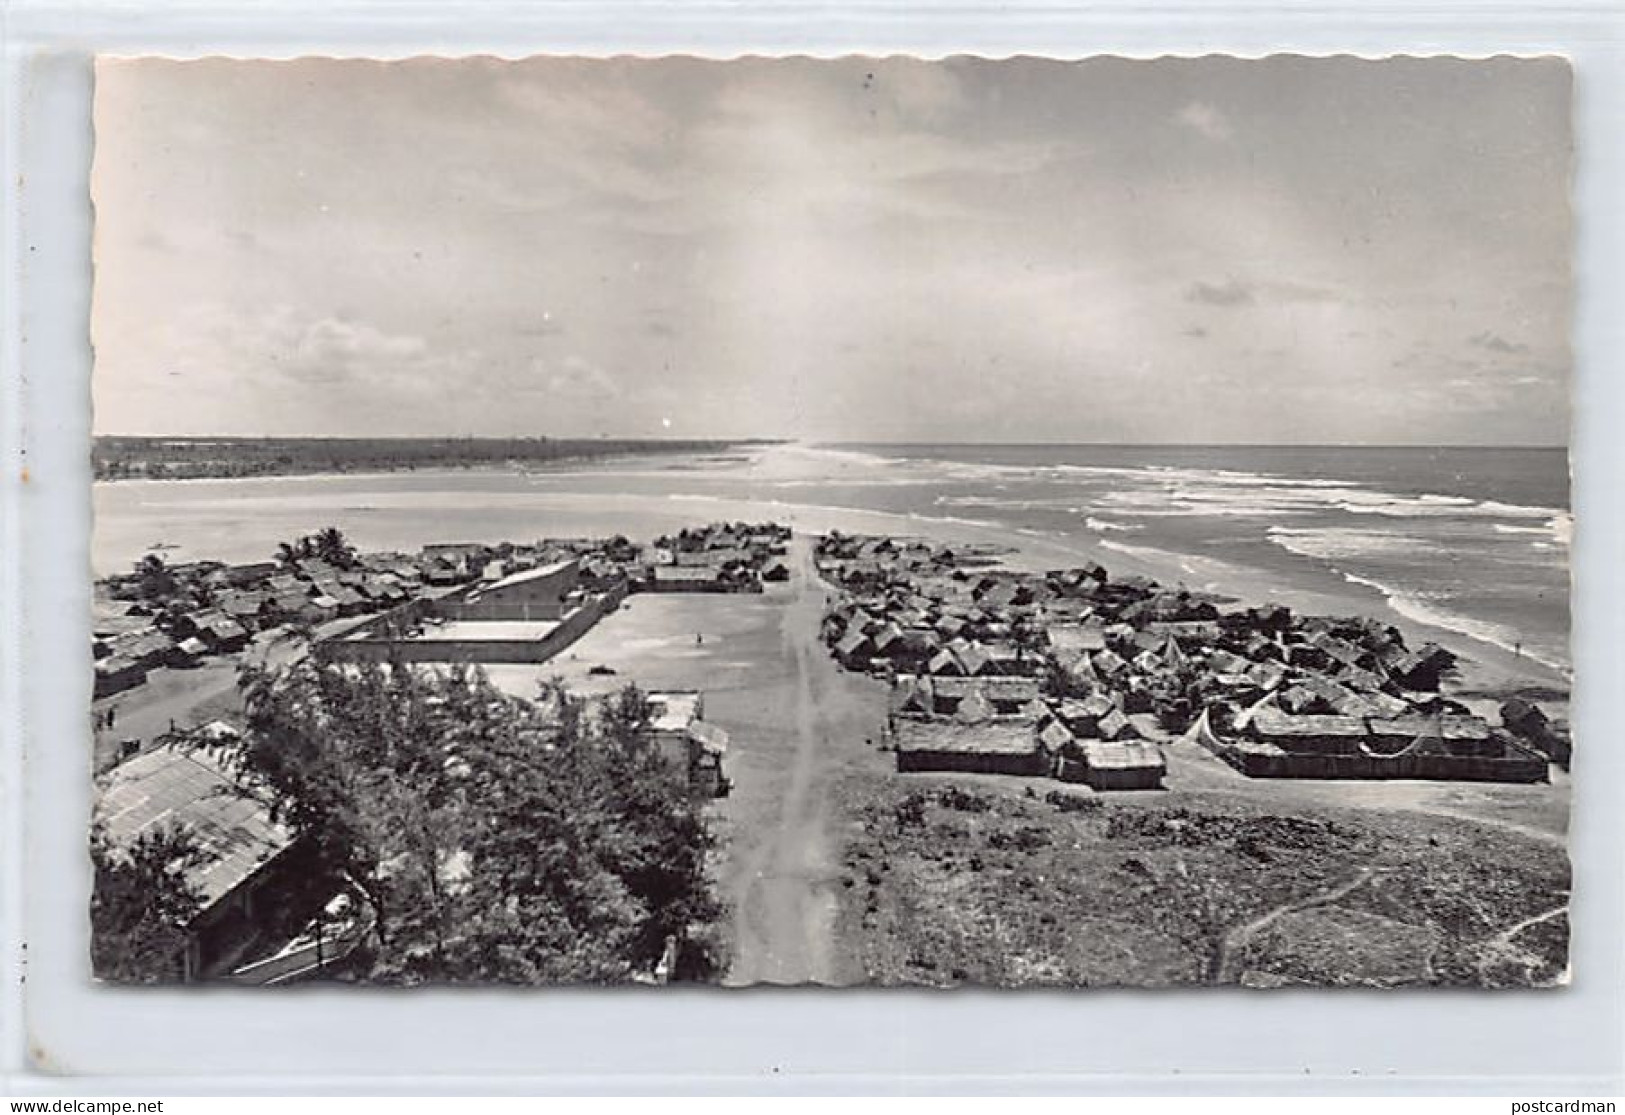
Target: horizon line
point(758, 439)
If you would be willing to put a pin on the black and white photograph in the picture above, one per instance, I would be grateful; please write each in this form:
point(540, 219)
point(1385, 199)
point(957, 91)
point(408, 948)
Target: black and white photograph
point(1080, 523)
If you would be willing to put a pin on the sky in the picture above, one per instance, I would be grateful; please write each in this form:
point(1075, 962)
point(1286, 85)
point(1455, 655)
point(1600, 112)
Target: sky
point(1286, 250)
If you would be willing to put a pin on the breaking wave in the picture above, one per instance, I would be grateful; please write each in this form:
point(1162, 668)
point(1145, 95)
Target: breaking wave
point(1556, 531)
point(1429, 611)
point(1104, 526)
point(1341, 543)
point(1209, 573)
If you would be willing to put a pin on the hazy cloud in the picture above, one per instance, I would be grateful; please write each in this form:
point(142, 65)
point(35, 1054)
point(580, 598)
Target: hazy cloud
point(331, 351)
point(577, 378)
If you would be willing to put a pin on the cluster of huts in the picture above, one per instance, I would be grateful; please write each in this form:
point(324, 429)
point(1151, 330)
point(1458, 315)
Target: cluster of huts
point(974, 679)
point(212, 608)
point(209, 608)
point(720, 557)
point(1101, 663)
point(1009, 725)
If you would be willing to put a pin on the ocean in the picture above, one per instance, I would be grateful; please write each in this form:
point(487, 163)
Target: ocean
point(1470, 543)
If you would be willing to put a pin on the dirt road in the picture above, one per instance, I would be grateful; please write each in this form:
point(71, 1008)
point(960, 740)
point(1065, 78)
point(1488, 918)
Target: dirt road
point(174, 698)
point(786, 871)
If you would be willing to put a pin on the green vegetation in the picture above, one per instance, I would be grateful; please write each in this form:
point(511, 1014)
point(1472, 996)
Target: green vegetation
point(158, 458)
point(140, 904)
point(495, 839)
point(327, 544)
point(155, 581)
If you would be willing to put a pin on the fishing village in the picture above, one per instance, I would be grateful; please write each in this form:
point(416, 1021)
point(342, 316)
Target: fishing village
point(851, 716)
point(566, 540)
point(1083, 677)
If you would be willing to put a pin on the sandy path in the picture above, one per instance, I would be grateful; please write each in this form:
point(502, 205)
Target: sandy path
point(182, 699)
point(1504, 937)
point(1233, 946)
point(785, 905)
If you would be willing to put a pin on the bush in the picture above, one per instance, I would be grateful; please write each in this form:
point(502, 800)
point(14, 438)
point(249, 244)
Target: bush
point(1072, 803)
point(952, 797)
point(1027, 838)
point(910, 812)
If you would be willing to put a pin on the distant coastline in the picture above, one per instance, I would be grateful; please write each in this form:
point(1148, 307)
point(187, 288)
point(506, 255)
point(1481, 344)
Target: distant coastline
point(118, 457)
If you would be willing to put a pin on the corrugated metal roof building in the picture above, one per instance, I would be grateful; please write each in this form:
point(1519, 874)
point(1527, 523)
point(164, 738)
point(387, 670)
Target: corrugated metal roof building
point(234, 831)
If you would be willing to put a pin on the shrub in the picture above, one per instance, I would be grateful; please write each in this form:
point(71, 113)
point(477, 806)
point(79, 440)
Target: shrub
point(1072, 803)
point(952, 797)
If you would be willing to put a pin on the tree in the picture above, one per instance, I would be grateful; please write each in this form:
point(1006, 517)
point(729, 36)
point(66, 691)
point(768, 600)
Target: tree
point(155, 580)
point(329, 544)
point(141, 903)
point(496, 839)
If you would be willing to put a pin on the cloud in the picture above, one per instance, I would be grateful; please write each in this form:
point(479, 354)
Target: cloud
point(581, 380)
point(333, 350)
point(1231, 292)
point(1206, 120)
point(779, 209)
point(1494, 343)
point(326, 351)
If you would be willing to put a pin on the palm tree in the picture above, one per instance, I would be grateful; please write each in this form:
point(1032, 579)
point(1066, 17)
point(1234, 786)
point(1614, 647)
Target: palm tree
point(330, 546)
point(155, 578)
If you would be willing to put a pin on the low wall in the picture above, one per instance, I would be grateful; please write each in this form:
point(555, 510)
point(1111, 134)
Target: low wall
point(715, 588)
point(381, 647)
point(1434, 768)
point(1035, 765)
point(1075, 770)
